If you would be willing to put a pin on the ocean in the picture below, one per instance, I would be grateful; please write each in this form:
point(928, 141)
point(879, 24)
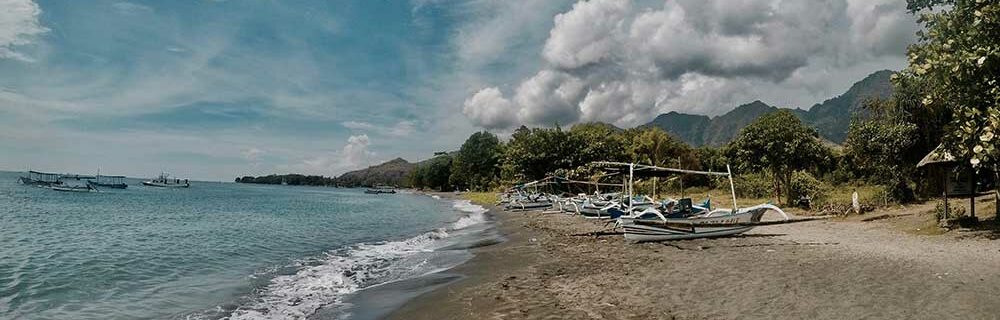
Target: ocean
point(225, 251)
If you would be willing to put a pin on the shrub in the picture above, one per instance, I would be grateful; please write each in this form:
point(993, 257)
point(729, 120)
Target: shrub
point(754, 185)
point(953, 211)
point(898, 190)
point(804, 185)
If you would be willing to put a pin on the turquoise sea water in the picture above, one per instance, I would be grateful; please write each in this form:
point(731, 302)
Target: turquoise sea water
point(215, 250)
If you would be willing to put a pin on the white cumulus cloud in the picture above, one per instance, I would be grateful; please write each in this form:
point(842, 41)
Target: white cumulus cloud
point(621, 62)
point(355, 154)
point(19, 26)
point(585, 34)
point(489, 109)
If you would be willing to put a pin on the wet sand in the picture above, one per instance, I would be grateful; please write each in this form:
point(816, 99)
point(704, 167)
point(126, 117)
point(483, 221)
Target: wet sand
point(815, 270)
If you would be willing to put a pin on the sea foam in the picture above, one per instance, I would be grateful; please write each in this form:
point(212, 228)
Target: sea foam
point(327, 280)
point(477, 214)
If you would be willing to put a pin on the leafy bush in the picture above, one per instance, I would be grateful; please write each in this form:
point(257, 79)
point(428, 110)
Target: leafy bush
point(898, 190)
point(804, 185)
point(953, 211)
point(754, 185)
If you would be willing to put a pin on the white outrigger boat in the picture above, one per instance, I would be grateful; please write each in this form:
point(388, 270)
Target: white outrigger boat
point(68, 188)
point(650, 224)
point(164, 181)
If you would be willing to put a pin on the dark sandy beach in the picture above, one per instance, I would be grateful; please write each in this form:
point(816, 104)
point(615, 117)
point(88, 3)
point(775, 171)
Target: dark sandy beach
point(818, 270)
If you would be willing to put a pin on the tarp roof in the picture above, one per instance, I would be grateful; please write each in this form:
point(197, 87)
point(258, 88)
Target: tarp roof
point(937, 156)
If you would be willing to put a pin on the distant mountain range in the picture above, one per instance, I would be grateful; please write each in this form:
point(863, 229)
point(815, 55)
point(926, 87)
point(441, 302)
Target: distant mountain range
point(830, 118)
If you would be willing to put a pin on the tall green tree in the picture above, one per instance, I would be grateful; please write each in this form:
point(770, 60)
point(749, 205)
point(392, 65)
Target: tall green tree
point(879, 148)
point(597, 142)
point(433, 174)
point(533, 153)
point(476, 164)
point(779, 144)
point(956, 62)
point(656, 147)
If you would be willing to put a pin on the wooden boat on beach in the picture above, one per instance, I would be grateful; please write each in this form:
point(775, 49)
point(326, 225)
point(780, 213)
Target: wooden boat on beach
point(706, 226)
point(652, 224)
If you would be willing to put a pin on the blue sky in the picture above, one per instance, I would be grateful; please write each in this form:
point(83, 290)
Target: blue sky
point(219, 89)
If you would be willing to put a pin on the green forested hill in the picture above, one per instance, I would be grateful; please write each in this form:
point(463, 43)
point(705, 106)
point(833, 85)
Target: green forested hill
point(392, 172)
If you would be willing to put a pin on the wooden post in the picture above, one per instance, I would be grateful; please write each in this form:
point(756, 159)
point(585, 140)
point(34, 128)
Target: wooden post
point(654, 186)
point(945, 193)
point(972, 191)
point(631, 184)
point(996, 186)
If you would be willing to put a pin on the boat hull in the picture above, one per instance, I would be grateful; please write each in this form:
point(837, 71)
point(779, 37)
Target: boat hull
point(528, 205)
point(706, 226)
point(164, 185)
point(644, 233)
point(73, 189)
point(32, 182)
point(107, 185)
point(590, 212)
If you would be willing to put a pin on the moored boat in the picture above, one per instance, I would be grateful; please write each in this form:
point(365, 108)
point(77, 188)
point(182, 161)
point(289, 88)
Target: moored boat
point(43, 179)
point(68, 188)
point(114, 182)
point(380, 190)
point(164, 181)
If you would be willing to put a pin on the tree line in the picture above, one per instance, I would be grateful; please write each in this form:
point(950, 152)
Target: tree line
point(949, 95)
point(290, 179)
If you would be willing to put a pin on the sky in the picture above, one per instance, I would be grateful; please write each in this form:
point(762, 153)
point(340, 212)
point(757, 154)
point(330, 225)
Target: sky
point(218, 89)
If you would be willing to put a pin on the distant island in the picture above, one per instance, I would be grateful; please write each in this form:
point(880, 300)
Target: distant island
point(392, 173)
point(290, 179)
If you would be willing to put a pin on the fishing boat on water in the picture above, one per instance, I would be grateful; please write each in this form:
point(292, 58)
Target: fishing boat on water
point(42, 179)
point(381, 190)
point(74, 188)
point(164, 181)
point(114, 182)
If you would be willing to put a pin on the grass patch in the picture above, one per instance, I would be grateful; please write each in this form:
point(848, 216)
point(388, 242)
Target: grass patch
point(481, 198)
point(928, 226)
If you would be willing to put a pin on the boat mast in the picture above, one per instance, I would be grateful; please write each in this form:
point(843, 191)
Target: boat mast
point(732, 187)
point(631, 185)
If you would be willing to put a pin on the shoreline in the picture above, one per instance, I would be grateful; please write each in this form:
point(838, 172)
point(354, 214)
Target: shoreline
point(487, 262)
point(380, 300)
point(821, 270)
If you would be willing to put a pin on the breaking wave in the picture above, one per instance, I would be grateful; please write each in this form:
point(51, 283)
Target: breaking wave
point(477, 214)
point(326, 280)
